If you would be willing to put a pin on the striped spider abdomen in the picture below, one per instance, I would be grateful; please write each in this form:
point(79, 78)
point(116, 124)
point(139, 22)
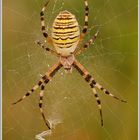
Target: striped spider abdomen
point(65, 33)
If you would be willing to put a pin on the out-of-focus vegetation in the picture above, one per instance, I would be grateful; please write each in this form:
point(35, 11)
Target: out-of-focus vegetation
point(112, 60)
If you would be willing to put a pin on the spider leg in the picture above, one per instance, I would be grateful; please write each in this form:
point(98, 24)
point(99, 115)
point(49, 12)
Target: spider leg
point(98, 102)
point(40, 44)
point(29, 92)
point(45, 79)
point(40, 106)
point(91, 81)
point(45, 34)
point(85, 74)
point(84, 31)
point(77, 52)
point(43, 27)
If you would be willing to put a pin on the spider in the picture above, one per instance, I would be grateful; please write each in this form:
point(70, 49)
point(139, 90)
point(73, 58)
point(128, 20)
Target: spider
point(65, 38)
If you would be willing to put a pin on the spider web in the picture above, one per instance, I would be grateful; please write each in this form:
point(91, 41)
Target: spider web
point(68, 101)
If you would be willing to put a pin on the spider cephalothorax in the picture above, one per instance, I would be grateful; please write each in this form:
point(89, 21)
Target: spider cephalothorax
point(65, 38)
point(67, 62)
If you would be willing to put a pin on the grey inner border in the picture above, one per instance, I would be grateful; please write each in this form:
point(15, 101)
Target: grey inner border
point(1, 69)
point(138, 71)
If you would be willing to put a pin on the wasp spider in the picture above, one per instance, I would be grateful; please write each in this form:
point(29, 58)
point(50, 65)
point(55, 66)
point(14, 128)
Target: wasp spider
point(65, 38)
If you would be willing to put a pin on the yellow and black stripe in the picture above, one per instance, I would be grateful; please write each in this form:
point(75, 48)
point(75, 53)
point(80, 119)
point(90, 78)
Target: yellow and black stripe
point(65, 30)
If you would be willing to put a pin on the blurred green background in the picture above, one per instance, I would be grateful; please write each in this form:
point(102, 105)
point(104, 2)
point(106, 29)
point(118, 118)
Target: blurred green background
point(112, 60)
